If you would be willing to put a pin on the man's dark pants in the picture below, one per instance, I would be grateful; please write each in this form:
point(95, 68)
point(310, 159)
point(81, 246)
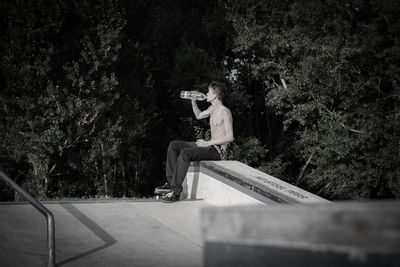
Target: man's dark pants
point(179, 156)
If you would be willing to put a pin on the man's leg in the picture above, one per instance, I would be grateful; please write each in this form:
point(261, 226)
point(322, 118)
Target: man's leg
point(174, 149)
point(182, 164)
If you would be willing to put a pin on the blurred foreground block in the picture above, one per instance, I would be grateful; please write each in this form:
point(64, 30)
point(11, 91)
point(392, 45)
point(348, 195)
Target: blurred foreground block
point(344, 234)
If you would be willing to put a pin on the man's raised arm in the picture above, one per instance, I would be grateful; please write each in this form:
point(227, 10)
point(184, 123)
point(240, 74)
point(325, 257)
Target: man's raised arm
point(198, 113)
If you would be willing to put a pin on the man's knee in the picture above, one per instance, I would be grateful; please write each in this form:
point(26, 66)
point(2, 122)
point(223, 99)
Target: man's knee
point(173, 144)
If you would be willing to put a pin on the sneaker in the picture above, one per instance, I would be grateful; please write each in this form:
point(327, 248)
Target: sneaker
point(170, 197)
point(165, 186)
point(164, 189)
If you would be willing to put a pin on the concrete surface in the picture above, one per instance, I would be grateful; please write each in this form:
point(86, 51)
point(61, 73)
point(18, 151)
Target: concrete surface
point(109, 233)
point(138, 233)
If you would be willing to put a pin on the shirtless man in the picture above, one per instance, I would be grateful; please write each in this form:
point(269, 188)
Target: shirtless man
point(181, 153)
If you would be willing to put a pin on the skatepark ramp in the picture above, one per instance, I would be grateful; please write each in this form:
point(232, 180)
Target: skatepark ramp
point(230, 215)
point(144, 232)
point(229, 183)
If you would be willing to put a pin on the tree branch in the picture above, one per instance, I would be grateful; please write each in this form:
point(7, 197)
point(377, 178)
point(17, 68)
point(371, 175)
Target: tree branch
point(335, 115)
point(284, 83)
point(276, 83)
point(303, 169)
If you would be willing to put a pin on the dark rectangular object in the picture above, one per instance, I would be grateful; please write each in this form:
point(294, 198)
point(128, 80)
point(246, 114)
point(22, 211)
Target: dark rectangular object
point(239, 255)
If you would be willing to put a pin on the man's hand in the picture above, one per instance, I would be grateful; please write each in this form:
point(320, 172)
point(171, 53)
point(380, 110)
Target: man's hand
point(202, 143)
point(193, 96)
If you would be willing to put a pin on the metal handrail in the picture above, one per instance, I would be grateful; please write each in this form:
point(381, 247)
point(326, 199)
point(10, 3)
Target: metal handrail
point(49, 216)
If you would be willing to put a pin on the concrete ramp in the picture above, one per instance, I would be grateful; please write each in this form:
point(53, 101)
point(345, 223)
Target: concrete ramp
point(232, 183)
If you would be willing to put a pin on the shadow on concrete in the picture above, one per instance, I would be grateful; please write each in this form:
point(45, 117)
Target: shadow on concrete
point(92, 226)
point(195, 185)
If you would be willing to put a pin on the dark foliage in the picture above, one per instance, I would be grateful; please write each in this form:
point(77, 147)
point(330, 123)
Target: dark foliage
point(90, 92)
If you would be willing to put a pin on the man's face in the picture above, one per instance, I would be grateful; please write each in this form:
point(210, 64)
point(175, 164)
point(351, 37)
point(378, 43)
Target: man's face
point(211, 95)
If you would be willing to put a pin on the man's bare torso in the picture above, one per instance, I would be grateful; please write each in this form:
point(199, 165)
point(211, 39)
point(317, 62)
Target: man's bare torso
point(217, 124)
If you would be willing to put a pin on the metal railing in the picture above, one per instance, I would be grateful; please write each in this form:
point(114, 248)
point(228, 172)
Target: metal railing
point(49, 216)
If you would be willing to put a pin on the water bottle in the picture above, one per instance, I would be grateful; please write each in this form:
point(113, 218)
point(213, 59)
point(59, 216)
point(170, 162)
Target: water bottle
point(191, 94)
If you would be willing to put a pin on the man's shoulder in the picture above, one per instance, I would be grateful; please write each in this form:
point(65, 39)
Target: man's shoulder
point(226, 110)
point(220, 111)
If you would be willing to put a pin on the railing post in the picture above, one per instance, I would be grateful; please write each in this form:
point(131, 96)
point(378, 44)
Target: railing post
point(51, 243)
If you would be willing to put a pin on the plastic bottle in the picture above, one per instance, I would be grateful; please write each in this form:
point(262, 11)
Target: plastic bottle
point(190, 94)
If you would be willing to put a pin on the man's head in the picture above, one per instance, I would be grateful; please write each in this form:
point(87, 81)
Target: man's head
point(215, 90)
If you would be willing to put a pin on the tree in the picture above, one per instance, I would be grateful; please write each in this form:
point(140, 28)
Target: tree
point(58, 120)
point(31, 134)
point(323, 66)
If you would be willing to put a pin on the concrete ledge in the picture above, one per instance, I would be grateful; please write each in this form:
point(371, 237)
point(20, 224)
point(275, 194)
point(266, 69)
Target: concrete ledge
point(345, 234)
point(234, 183)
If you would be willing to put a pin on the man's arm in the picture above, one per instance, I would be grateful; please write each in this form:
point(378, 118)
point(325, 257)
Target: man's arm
point(200, 114)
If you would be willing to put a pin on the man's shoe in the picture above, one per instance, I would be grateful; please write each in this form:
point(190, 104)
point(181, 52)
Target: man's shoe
point(170, 197)
point(165, 186)
point(161, 190)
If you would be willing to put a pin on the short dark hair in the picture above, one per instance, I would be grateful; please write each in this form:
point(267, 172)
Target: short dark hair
point(219, 89)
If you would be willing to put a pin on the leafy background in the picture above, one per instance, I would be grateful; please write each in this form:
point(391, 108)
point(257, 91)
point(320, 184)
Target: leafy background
point(90, 92)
